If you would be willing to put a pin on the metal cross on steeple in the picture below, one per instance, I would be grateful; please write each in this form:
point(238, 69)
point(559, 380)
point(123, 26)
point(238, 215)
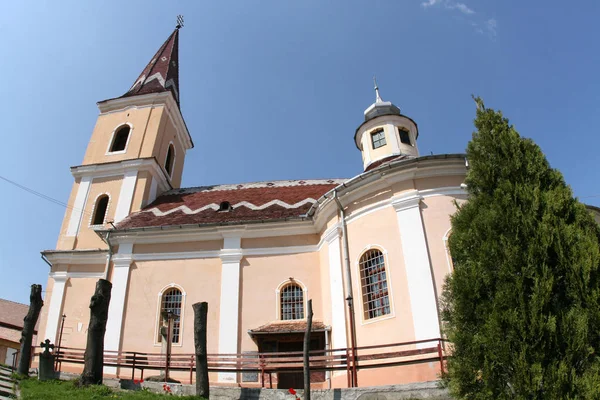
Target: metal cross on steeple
point(179, 22)
point(377, 96)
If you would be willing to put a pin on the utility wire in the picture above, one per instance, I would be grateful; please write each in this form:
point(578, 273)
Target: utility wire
point(41, 195)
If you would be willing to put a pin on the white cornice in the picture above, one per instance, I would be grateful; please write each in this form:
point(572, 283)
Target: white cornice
point(63, 276)
point(406, 200)
point(76, 257)
point(231, 255)
point(121, 167)
point(151, 100)
point(193, 233)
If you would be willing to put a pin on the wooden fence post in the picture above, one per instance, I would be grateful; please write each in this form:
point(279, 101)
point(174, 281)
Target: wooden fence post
point(94, 349)
point(200, 315)
point(306, 351)
point(35, 305)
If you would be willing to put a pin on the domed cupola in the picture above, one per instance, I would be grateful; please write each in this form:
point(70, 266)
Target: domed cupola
point(385, 134)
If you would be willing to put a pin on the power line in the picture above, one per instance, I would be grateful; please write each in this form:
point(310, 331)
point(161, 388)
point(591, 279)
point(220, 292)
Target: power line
point(41, 195)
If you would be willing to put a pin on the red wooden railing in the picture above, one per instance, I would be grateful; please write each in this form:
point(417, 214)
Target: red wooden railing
point(265, 364)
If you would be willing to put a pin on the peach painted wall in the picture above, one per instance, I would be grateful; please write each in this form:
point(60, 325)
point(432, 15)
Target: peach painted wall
point(145, 122)
point(208, 245)
point(168, 134)
point(261, 276)
point(436, 212)
point(78, 293)
point(200, 281)
point(379, 229)
point(66, 243)
point(87, 238)
point(280, 241)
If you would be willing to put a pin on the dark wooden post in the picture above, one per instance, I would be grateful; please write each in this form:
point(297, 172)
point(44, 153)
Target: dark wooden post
point(94, 349)
point(200, 314)
point(307, 350)
point(35, 305)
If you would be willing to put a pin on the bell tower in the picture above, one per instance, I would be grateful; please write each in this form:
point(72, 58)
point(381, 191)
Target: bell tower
point(385, 134)
point(136, 152)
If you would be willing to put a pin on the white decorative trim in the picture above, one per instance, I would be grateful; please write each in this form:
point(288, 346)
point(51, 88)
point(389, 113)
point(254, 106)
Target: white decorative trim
point(152, 193)
point(78, 206)
point(116, 308)
point(336, 290)
point(56, 305)
point(229, 312)
point(112, 139)
point(126, 195)
point(76, 257)
point(76, 275)
point(281, 286)
point(158, 321)
point(419, 276)
point(213, 206)
point(332, 234)
point(93, 213)
point(388, 278)
point(406, 201)
point(447, 250)
point(120, 168)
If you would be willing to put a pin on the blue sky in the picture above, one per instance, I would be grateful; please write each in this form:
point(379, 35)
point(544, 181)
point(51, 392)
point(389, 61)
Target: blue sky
point(275, 89)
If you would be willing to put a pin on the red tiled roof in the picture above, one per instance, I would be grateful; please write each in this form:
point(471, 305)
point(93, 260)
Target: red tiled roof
point(288, 327)
point(262, 201)
point(162, 72)
point(383, 161)
point(12, 313)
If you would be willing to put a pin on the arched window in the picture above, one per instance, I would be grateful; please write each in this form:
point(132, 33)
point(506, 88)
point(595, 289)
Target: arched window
point(404, 136)
point(170, 159)
point(292, 302)
point(374, 284)
point(120, 139)
point(100, 210)
point(170, 307)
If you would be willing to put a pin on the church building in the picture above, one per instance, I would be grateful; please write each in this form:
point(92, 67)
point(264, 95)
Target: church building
point(370, 251)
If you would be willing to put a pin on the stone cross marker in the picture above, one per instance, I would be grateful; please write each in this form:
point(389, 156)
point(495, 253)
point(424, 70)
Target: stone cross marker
point(47, 362)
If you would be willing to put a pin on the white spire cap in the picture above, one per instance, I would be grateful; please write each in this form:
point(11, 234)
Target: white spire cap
point(377, 96)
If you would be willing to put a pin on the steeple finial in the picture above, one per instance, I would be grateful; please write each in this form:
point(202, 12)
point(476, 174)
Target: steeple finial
point(179, 22)
point(377, 96)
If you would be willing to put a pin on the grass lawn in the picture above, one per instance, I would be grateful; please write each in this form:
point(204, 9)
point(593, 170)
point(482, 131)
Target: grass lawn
point(32, 389)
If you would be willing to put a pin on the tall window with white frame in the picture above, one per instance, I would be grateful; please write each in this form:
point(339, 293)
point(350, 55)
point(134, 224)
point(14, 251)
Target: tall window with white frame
point(292, 302)
point(378, 139)
point(120, 139)
point(100, 210)
point(169, 161)
point(170, 304)
point(374, 285)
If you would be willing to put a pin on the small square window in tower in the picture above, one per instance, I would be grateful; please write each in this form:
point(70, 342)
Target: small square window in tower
point(120, 140)
point(378, 139)
point(404, 136)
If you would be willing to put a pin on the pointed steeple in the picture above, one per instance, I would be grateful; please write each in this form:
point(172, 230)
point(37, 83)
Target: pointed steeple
point(162, 72)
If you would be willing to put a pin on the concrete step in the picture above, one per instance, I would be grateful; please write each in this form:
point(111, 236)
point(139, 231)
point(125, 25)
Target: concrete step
point(6, 384)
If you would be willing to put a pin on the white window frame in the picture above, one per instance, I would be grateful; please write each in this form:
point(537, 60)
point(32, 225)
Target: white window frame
point(281, 286)
point(112, 139)
point(392, 314)
point(378, 131)
point(170, 175)
point(158, 317)
point(410, 138)
point(447, 248)
point(93, 213)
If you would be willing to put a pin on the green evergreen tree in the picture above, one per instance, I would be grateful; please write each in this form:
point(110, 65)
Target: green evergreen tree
point(522, 307)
